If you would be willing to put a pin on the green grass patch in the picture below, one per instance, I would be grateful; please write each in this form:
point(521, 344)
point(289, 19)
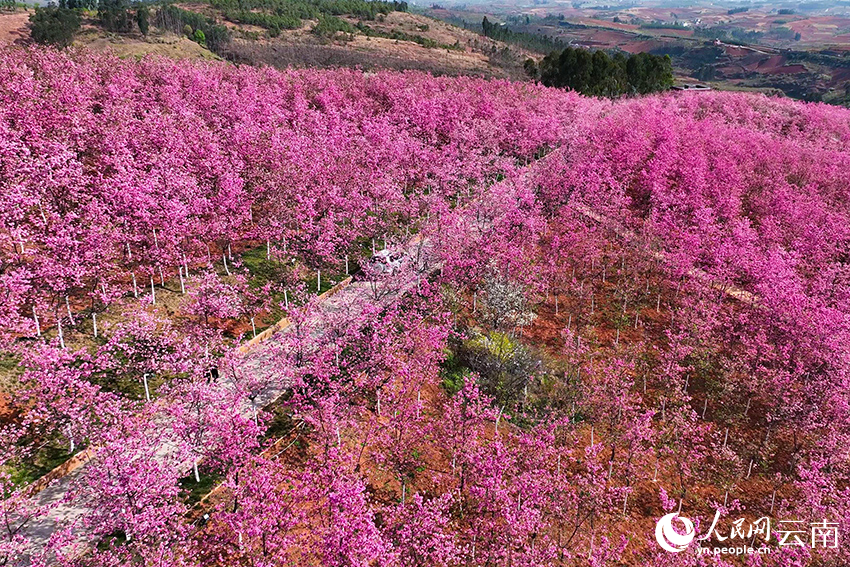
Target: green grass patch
point(130, 385)
point(195, 490)
point(453, 373)
point(46, 458)
point(261, 269)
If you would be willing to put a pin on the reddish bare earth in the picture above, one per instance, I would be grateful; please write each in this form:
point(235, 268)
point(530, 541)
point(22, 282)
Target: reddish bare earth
point(13, 27)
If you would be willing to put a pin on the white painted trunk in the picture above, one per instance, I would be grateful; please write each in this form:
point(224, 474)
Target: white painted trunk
point(94, 323)
point(147, 389)
point(37, 325)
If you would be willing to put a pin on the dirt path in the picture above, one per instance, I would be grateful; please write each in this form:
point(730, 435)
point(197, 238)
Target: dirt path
point(13, 26)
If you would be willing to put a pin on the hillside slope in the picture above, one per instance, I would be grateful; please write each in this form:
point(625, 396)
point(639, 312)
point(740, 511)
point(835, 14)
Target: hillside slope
point(397, 40)
point(642, 307)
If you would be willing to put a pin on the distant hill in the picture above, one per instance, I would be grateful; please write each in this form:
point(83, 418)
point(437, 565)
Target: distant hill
point(313, 33)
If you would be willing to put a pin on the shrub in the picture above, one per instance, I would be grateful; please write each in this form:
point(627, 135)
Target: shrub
point(54, 26)
point(329, 26)
point(503, 364)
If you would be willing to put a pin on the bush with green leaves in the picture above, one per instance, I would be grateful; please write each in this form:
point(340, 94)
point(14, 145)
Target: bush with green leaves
point(329, 26)
point(115, 15)
point(54, 26)
point(504, 365)
point(177, 20)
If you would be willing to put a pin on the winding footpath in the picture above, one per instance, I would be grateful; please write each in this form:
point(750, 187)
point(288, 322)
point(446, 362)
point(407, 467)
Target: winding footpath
point(347, 299)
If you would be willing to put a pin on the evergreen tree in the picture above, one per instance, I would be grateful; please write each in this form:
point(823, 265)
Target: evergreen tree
point(143, 18)
point(530, 67)
point(54, 25)
point(115, 15)
point(598, 74)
